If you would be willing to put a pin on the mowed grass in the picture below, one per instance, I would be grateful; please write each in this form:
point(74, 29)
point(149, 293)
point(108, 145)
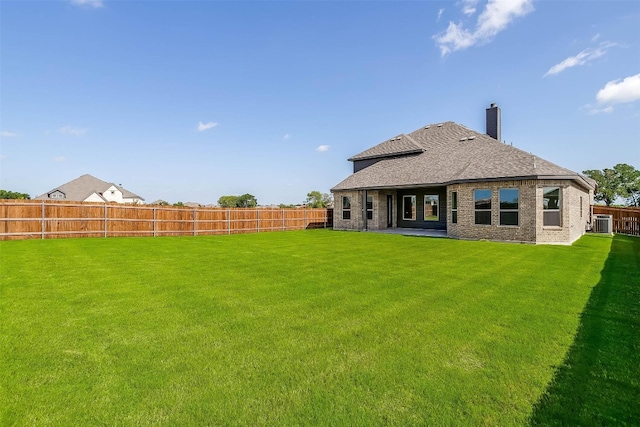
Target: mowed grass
point(296, 328)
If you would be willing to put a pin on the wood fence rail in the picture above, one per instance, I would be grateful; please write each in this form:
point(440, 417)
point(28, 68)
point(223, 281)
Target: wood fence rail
point(35, 219)
point(625, 220)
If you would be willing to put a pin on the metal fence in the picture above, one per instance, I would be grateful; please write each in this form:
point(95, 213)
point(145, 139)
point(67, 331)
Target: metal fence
point(625, 220)
point(34, 219)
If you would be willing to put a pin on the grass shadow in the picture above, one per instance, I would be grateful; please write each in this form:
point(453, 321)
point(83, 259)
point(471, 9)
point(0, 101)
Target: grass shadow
point(599, 380)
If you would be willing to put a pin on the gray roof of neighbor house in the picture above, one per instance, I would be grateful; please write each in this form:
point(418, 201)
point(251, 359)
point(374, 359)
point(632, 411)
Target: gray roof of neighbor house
point(448, 153)
point(81, 188)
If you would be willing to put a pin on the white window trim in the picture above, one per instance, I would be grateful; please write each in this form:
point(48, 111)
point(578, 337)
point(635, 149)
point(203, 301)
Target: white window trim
point(559, 209)
point(414, 210)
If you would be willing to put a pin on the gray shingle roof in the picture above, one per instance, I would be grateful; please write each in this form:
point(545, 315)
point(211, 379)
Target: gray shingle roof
point(81, 188)
point(398, 145)
point(448, 153)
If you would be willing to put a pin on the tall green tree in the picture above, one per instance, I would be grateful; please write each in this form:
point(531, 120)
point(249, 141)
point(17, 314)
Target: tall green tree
point(5, 194)
point(316, 199)
point(622, 180)
point(629, 183)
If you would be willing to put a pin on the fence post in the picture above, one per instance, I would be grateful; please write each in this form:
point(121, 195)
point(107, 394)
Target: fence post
point(283, 227)
point(195, 221)
point(42, 219)
point(105, 220)
point(228, 221)
point(154, 223)
point(258, 218)
point(305, 219)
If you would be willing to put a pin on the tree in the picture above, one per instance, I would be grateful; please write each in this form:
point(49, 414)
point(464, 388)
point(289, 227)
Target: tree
point(316, 199)
point(622, 180)
point(244, 201)
point(247, 201)
point(629, 183)
point(5, 194)
point(228, 201)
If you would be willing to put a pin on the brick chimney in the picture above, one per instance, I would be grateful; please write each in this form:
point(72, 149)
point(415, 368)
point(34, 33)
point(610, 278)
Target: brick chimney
point(493, 121)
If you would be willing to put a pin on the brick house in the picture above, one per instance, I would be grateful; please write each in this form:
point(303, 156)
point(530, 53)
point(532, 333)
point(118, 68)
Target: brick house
point(447, 177)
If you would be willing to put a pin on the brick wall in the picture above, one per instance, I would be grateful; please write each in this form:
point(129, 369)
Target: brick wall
point(574, 215)
point(466, 227)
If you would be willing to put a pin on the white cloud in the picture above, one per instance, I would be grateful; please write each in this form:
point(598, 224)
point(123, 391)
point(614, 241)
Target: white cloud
point(440, 12)
point(74, 131)
point(496, 16)
point(59, 159)
point(5, 134)
point(96, 4)
point(620, 91)
point(469, 6)
point(595, 38)
point(581, 58)
point(286, 136)
point(204, 126)
point(591, 109)
point(323, 148)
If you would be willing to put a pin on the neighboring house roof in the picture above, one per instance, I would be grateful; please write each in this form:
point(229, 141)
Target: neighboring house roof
point(449, 153)
point(82, 187)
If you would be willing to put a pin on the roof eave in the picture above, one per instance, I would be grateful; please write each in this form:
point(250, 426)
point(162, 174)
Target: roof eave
point(576, 178)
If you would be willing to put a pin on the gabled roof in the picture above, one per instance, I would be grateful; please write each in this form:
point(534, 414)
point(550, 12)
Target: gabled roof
point(448, 153)
point(81, 188)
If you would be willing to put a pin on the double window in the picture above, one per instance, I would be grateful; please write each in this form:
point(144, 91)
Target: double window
point(409, 208)
point(431, 208)
point(346, 207)
point(509, 202)
point(482, 202)
point(551, 207)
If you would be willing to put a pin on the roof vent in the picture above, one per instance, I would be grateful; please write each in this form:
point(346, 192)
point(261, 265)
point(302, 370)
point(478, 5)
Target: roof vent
point(463, 139)
point(427, 127)
point(471, 138)
point(439, 125)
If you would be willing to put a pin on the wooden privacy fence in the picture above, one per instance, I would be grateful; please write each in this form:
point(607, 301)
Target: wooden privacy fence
point(34, 219)
point(625, 220)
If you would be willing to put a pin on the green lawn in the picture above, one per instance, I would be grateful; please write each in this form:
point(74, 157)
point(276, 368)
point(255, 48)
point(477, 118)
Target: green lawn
point(318, 328)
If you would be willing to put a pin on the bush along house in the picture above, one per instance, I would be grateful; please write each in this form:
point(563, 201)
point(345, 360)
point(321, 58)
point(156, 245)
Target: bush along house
point(447, 177)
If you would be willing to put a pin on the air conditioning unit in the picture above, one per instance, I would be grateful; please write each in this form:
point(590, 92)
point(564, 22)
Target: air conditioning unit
point(603, 224)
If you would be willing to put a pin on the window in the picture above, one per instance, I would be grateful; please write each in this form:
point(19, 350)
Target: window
point(431, 208)
point(369, 207)
point(409, 207)
point(482, 200)
point(509, 201)
point(551, 206)
point(454, 207)
point(346, 207)
point(580, 206)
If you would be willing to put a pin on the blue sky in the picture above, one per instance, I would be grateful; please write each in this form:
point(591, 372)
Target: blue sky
point(192, 100)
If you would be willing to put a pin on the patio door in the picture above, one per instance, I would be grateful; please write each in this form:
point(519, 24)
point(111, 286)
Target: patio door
point(389, 211)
